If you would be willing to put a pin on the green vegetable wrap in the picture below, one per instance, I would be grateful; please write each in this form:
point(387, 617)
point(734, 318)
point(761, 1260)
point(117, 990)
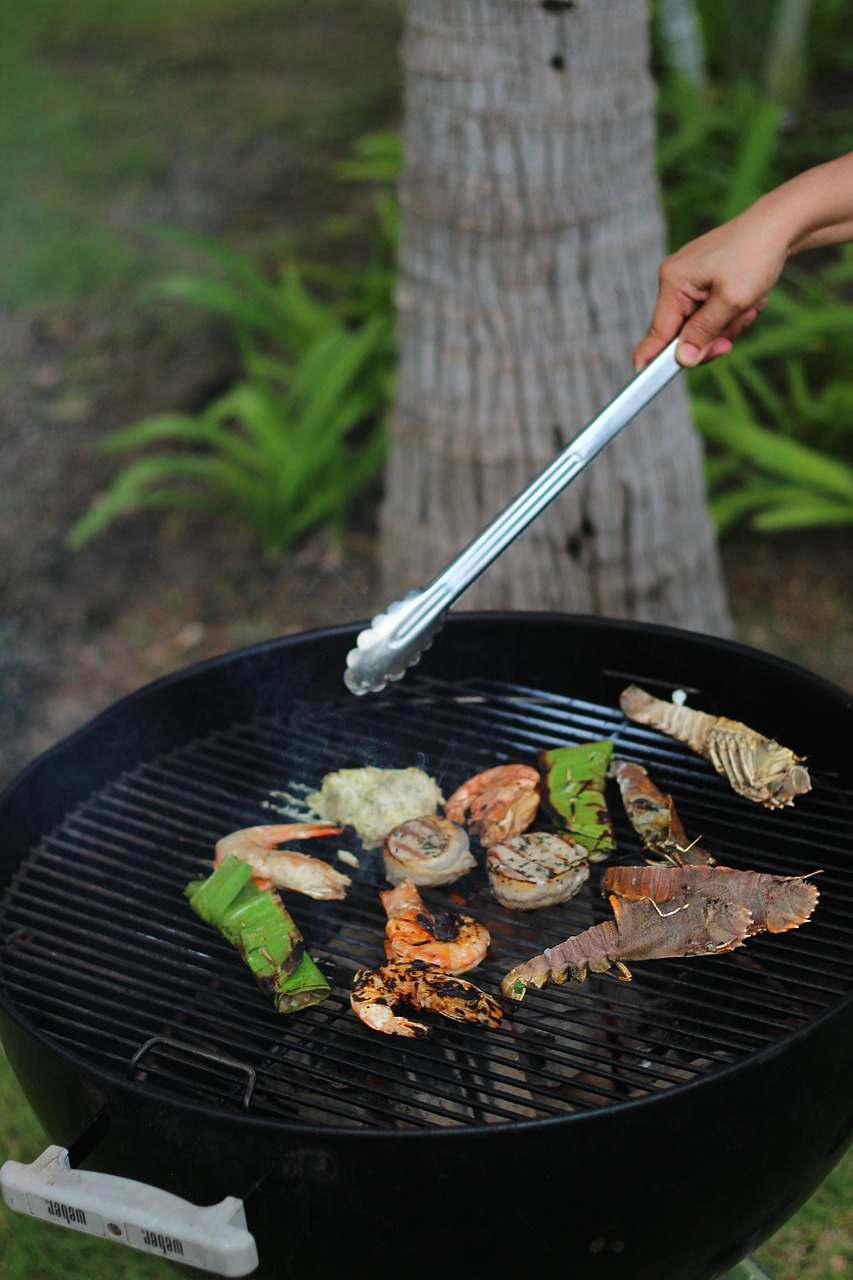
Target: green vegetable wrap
point(259, 925)
point(573, 789)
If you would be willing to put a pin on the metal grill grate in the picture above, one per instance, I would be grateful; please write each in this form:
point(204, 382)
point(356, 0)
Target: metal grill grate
point(103, 954)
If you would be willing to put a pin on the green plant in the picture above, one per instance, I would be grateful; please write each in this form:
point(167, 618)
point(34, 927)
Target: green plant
point(288, 447)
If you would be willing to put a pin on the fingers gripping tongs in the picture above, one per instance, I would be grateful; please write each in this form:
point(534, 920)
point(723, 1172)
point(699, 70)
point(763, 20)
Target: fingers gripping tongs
point(396, 639)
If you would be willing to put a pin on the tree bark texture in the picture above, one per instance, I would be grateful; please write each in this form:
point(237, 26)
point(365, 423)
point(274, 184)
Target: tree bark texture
point(531, 238)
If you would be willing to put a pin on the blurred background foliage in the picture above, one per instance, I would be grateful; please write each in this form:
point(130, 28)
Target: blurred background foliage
point(751, 91)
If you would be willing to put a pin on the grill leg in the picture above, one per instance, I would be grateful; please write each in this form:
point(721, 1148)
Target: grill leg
point(748, 1269)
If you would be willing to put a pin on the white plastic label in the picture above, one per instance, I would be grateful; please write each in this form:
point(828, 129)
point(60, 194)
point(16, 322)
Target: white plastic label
point(213, 1238)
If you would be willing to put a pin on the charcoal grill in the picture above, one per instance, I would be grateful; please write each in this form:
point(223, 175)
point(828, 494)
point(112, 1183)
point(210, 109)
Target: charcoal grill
point(663, 1126)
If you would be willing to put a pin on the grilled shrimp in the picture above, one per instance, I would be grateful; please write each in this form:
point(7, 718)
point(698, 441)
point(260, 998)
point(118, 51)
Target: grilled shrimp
point(757, 767)
point(285, 868)
point(498, 803)
point(536, 870)
point(653, 816)
point(375, 992)
point(455, 943)
point(427, 851)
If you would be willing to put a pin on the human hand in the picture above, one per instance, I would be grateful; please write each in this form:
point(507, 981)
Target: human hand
point(711, 290)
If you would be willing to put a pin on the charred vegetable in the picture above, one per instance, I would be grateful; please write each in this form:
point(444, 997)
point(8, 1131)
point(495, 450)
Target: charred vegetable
point(757, 767)
point(256, 922)
point(653, 817)
point(574, 791)
point(668, 912)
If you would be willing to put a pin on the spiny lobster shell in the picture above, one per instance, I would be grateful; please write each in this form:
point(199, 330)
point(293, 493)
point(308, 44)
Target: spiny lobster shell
point(757, 767)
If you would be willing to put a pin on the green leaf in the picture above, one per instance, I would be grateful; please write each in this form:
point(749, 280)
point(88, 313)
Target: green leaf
point(774, 453)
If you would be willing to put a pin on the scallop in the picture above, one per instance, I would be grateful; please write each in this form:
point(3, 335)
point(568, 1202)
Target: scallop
point(428, 850)
point(537, 869)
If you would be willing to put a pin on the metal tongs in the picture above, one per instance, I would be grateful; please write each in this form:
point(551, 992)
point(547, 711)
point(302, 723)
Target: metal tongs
point(396, 639)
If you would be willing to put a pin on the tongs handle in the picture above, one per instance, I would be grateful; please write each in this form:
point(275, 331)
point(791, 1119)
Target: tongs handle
point(398, 637)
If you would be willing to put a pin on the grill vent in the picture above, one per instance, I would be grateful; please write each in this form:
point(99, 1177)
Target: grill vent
point(101, 951)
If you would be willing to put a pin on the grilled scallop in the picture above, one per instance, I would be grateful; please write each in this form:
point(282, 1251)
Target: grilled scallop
point(428, 851)
point(536, 870)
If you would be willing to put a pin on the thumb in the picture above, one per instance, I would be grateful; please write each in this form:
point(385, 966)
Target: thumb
point(703, 328)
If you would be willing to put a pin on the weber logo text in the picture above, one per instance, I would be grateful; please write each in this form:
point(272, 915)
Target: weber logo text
point(165, 1244)
point(74, 1217)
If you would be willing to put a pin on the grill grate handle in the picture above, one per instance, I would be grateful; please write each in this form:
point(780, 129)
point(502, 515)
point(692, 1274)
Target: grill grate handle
point(396, 639)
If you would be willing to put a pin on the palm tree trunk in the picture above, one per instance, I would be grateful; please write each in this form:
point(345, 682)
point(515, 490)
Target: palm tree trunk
point(531, 237)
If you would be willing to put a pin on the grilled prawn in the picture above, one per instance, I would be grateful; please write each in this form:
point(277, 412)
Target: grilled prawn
point(498, 803)
point(285, 868)
point(455, 943)
point(653, 816)
point(536, 870)
point(427, 851)
point(757, 767)
point(375, 992)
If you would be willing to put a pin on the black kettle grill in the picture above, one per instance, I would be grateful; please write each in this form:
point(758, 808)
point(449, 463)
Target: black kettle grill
point(662, 1127)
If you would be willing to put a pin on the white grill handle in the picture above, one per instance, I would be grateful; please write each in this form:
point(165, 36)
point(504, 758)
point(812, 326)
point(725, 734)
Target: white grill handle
point(213, 1238)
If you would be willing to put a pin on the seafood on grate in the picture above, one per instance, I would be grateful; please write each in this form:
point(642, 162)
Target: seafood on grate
point(285, 868)
point(573, 788)
point(429, 850)
point(537, 869)
point(670, 912)
point(373, 801)
point(757, 767)
point(653, 817)
point(496, 804)
point(376, 992)
point(455, 943)
point(775, 903)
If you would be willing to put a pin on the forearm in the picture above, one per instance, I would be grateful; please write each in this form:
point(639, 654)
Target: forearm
point(813, 209)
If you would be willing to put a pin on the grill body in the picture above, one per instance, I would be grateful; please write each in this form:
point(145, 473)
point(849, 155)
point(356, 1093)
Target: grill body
point(669, 1132)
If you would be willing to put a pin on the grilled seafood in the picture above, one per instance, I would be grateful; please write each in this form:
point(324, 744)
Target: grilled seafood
point(536, 870)
point(427, 851)
point(375, 992)
point(573, 787)
point(757, 767)
point(496, 804)
point(285, 868)
point(775, 903)
point(653, 817)
point(374, 801)
point(455, 943)
point(641, 930)
point(667, 912)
